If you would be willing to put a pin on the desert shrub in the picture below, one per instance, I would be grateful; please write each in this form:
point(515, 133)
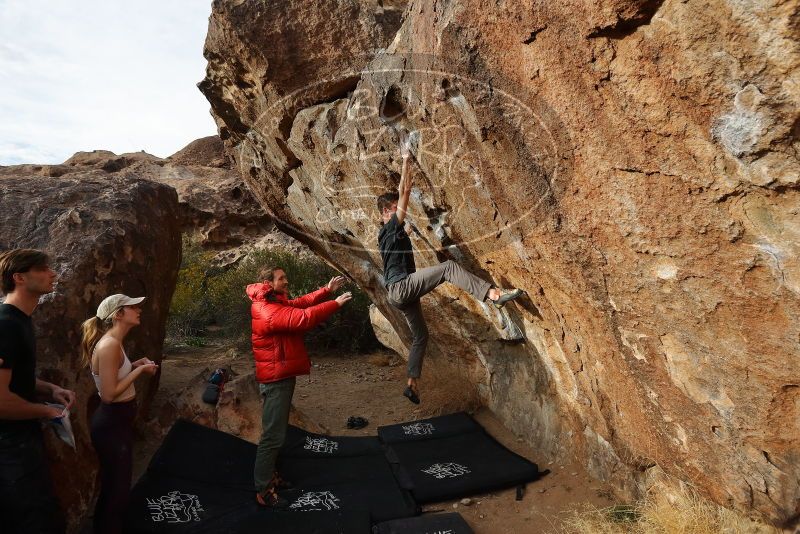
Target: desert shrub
point(210, 295)
point(662, 511)
point(188, 311)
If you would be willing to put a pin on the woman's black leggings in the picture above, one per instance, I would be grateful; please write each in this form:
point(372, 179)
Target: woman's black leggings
point(112, 437)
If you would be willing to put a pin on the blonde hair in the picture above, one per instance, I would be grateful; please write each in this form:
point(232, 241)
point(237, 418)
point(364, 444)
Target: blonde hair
point(93, 329)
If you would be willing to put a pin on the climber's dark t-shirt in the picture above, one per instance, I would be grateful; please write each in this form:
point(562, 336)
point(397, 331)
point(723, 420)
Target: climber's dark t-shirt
point(18, 352)
point(396, 251)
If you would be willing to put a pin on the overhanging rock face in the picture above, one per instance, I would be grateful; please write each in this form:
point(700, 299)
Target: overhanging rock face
point(632, 165)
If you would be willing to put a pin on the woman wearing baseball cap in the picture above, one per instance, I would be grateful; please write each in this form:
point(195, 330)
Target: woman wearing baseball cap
point(112, 422)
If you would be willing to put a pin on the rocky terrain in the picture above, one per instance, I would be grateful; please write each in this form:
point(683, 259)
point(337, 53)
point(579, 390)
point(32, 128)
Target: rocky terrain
point(114, 223)
point(106, 235)
point(364, 382)
point(215, 205)
point(633, 165)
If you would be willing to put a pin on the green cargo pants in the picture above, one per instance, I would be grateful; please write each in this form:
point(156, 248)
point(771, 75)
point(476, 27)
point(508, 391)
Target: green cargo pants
point(274, 421)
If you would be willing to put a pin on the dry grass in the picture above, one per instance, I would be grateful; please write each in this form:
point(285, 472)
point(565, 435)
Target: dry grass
point(663, 512)
point(381, 359)
point(446, 393)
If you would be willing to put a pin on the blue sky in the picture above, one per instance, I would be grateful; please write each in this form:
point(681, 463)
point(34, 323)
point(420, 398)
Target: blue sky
point(92, 74)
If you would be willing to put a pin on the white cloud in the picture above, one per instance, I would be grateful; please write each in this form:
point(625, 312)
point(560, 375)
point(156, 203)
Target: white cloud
point(96, 74)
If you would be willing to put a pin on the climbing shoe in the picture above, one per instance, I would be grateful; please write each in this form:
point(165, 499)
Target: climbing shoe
point(507, 295)
point(269, 498)
point(410, 395)
point(355, 423)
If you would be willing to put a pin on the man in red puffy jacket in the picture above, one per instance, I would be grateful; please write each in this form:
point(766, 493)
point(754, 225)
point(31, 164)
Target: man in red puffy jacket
point(278, 328)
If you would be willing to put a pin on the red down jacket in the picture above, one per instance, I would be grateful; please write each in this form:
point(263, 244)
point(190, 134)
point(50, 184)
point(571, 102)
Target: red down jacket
point(278, 328)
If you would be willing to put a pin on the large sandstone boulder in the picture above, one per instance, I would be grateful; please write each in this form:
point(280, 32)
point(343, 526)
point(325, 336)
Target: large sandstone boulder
point(106, 235)
point(216, 208)
point(206, 151)
point(237, 412)
point(632, 165)
point(216, 204)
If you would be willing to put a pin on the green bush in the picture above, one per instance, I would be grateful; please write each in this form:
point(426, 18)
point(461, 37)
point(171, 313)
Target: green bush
point(195, 341)
point(189, 313)
point(208, 295)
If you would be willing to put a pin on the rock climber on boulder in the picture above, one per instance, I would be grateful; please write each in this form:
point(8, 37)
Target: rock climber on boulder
point(405, 284)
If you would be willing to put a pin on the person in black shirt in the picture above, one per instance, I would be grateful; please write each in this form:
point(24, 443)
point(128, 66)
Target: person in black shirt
point(27, 503)
point(405, 284)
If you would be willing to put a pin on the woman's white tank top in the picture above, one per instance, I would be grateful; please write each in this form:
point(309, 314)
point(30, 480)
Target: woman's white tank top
point(124, 371)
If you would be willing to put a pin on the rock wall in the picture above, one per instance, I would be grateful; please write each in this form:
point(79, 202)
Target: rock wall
point(238, 410)
point(633, 165)
point(114, 223)
point(216, 207)
point(105, 235)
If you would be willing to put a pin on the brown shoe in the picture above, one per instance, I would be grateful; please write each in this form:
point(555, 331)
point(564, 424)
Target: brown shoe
point(269, 498)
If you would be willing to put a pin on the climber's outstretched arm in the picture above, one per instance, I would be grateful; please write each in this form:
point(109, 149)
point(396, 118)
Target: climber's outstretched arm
point(404, 189)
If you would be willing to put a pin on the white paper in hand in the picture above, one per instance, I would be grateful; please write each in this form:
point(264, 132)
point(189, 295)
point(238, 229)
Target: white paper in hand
point(62, 425)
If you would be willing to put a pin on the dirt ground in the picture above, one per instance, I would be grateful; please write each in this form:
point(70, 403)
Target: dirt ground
point(371, 386)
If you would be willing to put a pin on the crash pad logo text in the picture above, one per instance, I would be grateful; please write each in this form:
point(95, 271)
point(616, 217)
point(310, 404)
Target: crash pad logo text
point(321, 445)
point(175, 507)
point(418, 429)
point(448, 470)
point(316, 500)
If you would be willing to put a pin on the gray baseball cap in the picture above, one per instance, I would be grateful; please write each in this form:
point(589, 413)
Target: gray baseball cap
point(111, 304)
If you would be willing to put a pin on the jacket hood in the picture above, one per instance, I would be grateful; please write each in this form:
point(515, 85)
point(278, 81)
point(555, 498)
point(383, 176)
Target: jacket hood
point(258, 292)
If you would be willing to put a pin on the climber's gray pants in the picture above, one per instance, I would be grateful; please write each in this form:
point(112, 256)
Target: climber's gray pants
point(405, 294)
